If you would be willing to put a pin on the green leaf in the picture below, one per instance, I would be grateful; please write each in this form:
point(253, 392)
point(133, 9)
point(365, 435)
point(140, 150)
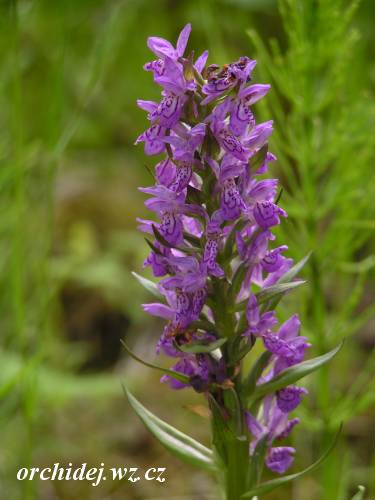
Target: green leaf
point(257, 160)
point(271, 295)
point(276, 290)
point(228, 247)
point(160, 238)
point(153, 247)
point(198, 348)
point(255, 373)
point(293, 271)
point(286, 279)
point(193, 240)
point(194, 195)
point(257, 460)
point(149, 285)
point(203, 324)
point(294, 373)
point(237, 349)
point(178, 376)
point(179, 444)
point(233, 404)
point(238, 278)
point(360, 494)
point(275, 483)
point(221, 433)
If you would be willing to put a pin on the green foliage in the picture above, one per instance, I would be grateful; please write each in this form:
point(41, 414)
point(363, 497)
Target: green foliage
point(325, 146)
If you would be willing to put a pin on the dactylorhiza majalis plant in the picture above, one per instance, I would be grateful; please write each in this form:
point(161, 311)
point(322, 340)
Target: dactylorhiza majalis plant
point(222, 274)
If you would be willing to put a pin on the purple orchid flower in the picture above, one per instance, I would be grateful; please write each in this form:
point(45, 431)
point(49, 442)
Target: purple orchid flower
point(164, 49)
point(153, 139)
point(214, 245)
point(222, 79)
point(274, 424)
point(241, 116)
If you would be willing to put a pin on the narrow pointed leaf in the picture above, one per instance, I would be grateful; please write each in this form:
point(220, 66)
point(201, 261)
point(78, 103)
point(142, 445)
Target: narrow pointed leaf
point(257, 160)
point(149, 285)
point(286, 279)
point(161, 238)
point(196, 242)
point(203, 324)
point(293, 271)
point(179, 444)
point(238, 280)
point(275, 483)
point(279, 196)
point(178, 376)
point(233, 404)
point(256, 372)
point(271, 295)
point(256, 461)
point(228, 248)
point(221, 433)
point(194, 195)
point(238, 348)
point(198, 348)
point(294, 373)
point(277, 290)
point(153, 247)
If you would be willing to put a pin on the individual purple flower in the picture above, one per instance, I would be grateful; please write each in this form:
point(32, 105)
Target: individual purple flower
point(165, 172)
point(259, 324)
point(232, 145)
point(231, 202)
point(188, 277)
point(211, 249)
point(259, 191)
point(164, 49)
point(267, 214)
point(169, 205)
point(153, 139)
point(219, 80)
point(158, 260)
point(275, 425)
point(241, 116)
point(273, 260)
point(258, 135)
point(280, 459)
point(186, 141)
point(289, 398)
point(289, 334)
point(167, 112)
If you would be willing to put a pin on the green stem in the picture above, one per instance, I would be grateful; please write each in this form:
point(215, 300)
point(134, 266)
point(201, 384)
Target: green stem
point(236, 483)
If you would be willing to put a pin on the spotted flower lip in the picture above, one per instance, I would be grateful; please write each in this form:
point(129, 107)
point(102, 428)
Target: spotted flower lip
point(213, 245)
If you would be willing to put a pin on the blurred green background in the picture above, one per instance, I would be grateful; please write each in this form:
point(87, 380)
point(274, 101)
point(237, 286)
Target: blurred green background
point(70, 73)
